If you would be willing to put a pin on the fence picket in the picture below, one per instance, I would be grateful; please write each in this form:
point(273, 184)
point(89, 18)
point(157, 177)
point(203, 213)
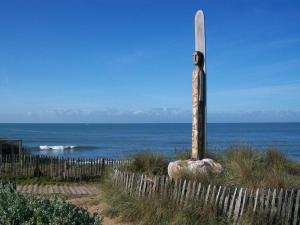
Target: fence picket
point(207, 194)
point(289, 208)
point(278, 211)
point(226, 201)
point(296, 208)
point(141, 185)
point(218, 195)
point(213, 195)
point(244, 202)
point(232, 203)
point(284, 206)
point(262, 200)
point(237, 206)
point(267, 202)
point(182, 192)
point(255, 200)
point(193, 190)
point(198, 191)
point(273, 208)
point(221, 202)
point(179, 191)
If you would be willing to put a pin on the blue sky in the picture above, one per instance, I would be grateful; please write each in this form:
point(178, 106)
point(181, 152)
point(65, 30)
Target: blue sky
point(131, 60)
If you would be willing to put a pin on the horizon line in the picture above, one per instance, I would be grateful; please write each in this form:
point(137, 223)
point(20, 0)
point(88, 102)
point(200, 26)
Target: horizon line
point(140, 122)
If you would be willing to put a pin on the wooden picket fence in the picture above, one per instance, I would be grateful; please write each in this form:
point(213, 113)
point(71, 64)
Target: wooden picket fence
point(277, 206)
point(59, 168)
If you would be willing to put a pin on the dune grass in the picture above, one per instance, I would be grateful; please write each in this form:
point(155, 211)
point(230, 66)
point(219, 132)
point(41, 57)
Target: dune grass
point(163, 211)
point(148, 163)
point(244, 166)
point(157, 211)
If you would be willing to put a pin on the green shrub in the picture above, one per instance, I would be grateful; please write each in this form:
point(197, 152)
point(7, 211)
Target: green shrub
point(16, 209)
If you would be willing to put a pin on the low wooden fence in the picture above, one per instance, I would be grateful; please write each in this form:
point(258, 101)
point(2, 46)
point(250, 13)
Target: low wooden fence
point(277, 206)
point(70, 169)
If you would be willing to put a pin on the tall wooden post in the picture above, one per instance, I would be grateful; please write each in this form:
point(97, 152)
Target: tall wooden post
point(199, 90)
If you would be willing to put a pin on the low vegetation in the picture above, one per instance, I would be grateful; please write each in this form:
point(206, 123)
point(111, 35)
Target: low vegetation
point(16, 209)
point(243, 166)
point(163, 211)
point(247, 167)
point(148, 163)
point(157, 211)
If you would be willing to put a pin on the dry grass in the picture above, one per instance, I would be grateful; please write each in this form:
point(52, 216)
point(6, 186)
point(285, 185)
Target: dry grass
point(157, 211)
point(247, 167)
point(148, 163)
point(243, 166)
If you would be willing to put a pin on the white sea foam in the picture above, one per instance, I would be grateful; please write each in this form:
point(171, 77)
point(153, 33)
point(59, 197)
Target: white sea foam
point(56, 147)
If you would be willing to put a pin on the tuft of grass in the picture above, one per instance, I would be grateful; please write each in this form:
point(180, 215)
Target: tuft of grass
point(148, 163)
point(184, 155)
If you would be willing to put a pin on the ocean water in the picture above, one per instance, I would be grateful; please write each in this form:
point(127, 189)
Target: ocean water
point(124, 140)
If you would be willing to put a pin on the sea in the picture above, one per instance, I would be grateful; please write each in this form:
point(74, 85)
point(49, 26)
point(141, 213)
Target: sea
point(119, 141)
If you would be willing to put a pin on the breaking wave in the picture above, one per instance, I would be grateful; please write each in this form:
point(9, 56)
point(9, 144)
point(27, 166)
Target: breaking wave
point(57, 147)
point(64, 147)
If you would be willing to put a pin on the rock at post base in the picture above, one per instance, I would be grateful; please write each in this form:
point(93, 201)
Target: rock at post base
point(203, 166)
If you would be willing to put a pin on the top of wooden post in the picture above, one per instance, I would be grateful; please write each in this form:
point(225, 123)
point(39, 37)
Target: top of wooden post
point(200, 35)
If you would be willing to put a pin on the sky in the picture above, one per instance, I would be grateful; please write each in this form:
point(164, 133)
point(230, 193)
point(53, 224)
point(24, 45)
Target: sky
point(130, 61)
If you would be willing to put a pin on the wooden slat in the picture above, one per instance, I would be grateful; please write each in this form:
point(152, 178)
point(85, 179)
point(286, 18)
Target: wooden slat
point(218, 196)
point(289, 208)
point(273, 207)
point(183, 192)
point(188, 191)
point(141, 185)
point(193, 190)
point(237, 206)
point(175, 189)
point(284, 206)
point(213, 195)
point(244, 202)
point(267, 203)
point(251, 199)
point(227, 196)
point(207, 194)
point(221, 202)
point(179, 192)
point(262, 200)
point(296, 218)
point(278, 211)
point(198, 191)
point(232, 201)
point(144, 187)
point(256, 200)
